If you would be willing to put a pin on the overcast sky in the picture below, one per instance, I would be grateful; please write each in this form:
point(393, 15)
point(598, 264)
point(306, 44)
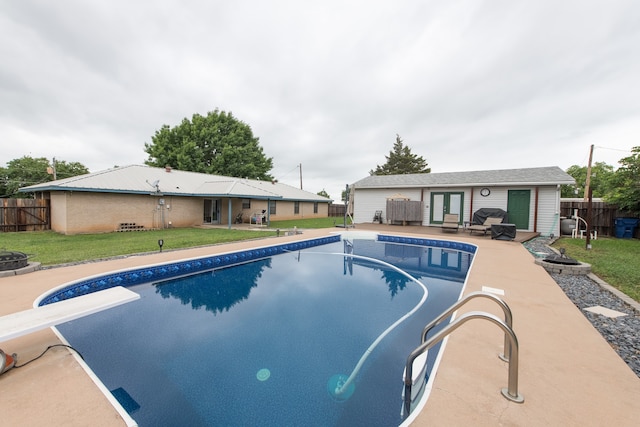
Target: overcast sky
point(467, 84)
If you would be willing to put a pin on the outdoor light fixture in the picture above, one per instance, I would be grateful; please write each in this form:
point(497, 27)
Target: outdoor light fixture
point(160, 243)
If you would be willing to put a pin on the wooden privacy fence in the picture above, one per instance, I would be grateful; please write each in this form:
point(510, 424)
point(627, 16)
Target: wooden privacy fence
point(336, 210)
point(403, 211)
point(603, 215)
point(24, 215)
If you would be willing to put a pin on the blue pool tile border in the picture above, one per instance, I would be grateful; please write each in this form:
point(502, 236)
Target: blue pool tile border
point(167, 271)
point(447, 244)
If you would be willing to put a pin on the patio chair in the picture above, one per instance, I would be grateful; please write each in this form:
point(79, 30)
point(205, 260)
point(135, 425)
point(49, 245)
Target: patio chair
point(485, 226)
point(451, 222)
point(377, 217)
point(259, 218)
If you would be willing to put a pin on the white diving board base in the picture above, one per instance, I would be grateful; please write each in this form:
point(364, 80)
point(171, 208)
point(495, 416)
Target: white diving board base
point(27, 321)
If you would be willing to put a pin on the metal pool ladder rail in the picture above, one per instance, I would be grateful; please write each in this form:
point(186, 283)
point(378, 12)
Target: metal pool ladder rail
point(510, 344)
point(508, 318)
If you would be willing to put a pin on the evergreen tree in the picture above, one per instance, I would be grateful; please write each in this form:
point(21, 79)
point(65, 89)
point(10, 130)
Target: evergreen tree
point(401, 161)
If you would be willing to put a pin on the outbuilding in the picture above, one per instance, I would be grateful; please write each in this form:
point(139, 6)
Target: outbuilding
point(143, 197)
point(530, 196)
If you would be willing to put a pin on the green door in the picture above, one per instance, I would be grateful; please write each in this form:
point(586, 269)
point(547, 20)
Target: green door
point(518, 206)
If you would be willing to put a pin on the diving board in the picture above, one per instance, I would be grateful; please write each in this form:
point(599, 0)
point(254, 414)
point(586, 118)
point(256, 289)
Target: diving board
point(27, 321)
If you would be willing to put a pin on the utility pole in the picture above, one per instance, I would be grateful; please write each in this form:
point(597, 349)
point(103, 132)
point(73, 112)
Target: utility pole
point(588, 197)
point(301, 176)
point(589, 229)
point(52, 169)
point(587, 185)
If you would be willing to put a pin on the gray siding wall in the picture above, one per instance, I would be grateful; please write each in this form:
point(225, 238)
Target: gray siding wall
point(548, 205)
point(549, 210)
point(367, 201)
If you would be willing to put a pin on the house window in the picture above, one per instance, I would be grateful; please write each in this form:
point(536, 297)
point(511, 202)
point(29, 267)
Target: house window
point(296, 208)
point(315, 207)
point(272, 207)
point(246, 204)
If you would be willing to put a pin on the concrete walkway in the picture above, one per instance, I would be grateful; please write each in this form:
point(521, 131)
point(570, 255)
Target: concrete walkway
point(569, 375)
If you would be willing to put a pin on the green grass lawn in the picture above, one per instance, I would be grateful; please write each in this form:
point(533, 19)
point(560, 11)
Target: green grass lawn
point(50, 248)
point(310, 223)
point(616, 261)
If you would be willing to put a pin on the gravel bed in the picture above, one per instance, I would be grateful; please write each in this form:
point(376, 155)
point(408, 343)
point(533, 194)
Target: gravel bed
point(622, 333)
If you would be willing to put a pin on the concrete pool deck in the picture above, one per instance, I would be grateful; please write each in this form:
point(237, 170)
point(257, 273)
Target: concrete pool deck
point(569, 375)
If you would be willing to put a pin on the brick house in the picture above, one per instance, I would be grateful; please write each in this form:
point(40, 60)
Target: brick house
point(150, 198)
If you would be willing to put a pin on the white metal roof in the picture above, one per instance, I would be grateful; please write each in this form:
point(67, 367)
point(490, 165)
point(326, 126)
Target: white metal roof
point(530, 176)
point(139, 179)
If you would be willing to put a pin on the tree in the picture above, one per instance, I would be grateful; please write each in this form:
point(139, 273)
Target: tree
point(601, 173)
point(67, 170)
point(323, 193)
point(401, 161)
point(625, 184)
point(217, 143)
point(29, 171)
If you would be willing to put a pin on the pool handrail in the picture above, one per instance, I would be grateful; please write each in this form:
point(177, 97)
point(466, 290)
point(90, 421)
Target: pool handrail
point(508, 318)
point(510, 392)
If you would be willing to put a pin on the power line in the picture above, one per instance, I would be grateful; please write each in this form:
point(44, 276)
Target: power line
point(281, 177)
point(614, 149)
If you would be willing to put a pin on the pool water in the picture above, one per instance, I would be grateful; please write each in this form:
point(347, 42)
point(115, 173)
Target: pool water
point(261, 343)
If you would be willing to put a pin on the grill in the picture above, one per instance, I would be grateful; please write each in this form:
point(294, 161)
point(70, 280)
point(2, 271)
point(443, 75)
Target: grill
point(12, 260)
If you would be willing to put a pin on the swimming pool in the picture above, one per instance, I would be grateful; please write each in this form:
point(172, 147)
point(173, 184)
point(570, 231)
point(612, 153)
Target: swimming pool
point(265, 340)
